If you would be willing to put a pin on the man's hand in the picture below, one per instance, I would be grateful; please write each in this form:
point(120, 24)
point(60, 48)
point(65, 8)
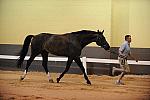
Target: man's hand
point(136, 60)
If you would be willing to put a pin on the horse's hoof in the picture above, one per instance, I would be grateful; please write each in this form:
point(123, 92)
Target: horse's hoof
point(88, 82)
point(51, 81)
point(21, 78)
point(58, 80)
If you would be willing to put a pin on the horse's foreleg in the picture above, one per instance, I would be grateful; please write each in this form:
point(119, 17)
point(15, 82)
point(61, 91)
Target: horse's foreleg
point(66, 69)
point(78, 61)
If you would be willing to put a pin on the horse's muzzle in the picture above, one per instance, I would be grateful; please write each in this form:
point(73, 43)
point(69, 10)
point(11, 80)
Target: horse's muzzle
point(106, 47)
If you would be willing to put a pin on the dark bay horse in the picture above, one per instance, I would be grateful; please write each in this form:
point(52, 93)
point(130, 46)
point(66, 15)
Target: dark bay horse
point(69, 45)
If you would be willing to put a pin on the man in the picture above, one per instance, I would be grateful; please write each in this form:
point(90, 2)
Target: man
point(124, 53)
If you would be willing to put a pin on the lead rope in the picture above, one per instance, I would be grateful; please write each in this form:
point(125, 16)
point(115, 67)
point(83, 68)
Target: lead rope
point(113, 52)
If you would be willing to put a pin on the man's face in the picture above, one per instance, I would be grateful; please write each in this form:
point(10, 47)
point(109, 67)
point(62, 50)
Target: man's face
point(129, 39)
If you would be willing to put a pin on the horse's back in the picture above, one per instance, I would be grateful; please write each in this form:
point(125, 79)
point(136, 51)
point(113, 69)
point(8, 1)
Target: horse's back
point(57, 44)
point(62, 45)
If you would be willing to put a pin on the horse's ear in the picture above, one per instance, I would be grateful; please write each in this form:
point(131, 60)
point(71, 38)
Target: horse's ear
point(98, 31)
point(102, 32)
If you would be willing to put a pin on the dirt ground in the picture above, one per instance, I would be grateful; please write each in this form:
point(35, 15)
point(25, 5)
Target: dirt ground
point(72, 87)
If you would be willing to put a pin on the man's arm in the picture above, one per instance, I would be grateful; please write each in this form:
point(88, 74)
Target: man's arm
point(133, 57)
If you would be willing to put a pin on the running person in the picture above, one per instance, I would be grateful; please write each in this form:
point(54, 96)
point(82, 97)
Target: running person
point(124, 53)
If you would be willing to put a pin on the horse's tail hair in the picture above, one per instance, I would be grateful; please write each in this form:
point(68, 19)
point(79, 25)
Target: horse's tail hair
point(24, 50)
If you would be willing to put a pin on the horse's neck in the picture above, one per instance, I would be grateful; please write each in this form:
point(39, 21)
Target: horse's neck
point(87, 39)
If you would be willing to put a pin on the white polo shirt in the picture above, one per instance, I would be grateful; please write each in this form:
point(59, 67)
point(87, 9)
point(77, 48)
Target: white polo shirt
point(124, 50)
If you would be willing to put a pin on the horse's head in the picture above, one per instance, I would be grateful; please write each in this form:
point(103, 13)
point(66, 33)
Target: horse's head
point(101, 41)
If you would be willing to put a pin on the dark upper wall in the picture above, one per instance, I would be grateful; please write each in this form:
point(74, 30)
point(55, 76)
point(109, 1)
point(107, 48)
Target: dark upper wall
point(95, 52)
point(93, 68)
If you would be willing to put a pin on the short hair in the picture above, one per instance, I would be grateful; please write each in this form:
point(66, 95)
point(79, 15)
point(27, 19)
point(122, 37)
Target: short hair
point(127, 36)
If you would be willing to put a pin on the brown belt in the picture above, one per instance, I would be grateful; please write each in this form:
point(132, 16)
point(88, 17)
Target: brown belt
point(122, 57)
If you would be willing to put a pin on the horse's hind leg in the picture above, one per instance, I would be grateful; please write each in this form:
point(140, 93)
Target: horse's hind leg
point(78, 61)
point(33, 55)
point(66, 69)
point(44, 64)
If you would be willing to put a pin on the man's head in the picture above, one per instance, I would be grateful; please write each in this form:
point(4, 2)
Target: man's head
point(128, 38)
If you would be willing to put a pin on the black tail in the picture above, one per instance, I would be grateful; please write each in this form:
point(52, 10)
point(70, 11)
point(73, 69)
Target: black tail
point(24, 50)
